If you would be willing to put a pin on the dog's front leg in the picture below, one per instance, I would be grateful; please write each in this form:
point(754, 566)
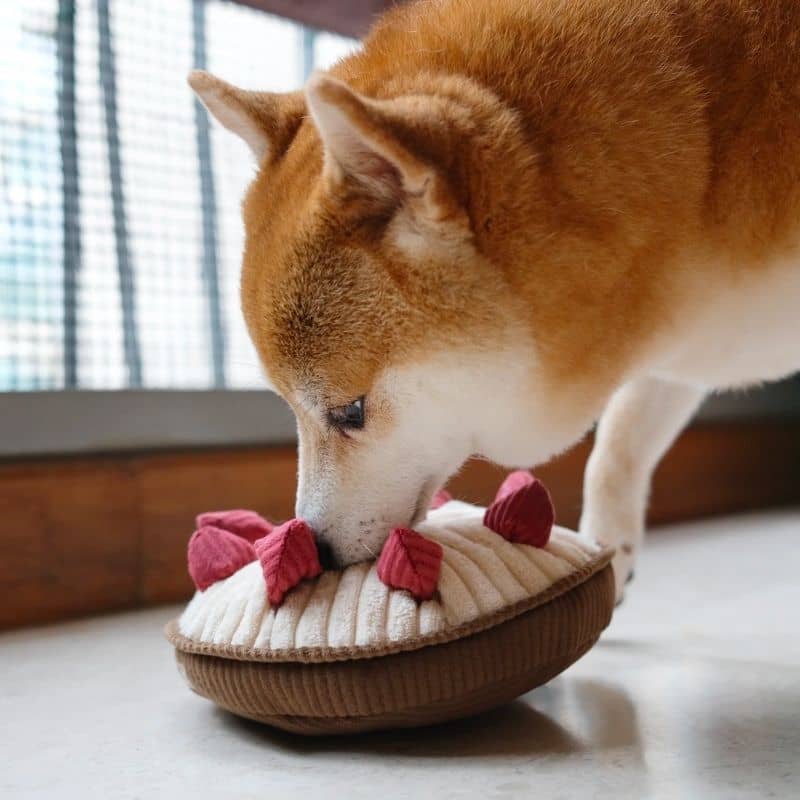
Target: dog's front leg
point(640, 422)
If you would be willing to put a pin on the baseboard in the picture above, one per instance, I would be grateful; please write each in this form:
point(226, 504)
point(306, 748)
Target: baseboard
point(89, 534)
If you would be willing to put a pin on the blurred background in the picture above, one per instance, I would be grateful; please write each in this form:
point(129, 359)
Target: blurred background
point(130, 395)
point(120, 221)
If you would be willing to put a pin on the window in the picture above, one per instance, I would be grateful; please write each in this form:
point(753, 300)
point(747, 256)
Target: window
point(120, 233)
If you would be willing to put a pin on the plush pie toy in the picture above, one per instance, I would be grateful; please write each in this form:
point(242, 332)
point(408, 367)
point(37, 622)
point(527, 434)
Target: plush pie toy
point(471, 609)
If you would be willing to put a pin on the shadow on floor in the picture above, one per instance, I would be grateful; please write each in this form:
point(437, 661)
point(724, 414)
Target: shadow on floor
point(600, 715)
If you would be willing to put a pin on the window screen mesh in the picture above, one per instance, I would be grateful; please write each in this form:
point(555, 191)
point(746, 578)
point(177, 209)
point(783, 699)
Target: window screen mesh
point(120, 234)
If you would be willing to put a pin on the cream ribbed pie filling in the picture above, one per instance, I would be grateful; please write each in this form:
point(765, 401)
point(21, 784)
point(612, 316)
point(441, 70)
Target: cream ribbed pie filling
point(484, 580)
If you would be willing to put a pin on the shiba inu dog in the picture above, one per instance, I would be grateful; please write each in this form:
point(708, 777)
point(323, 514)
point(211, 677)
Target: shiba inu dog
point(499, 222)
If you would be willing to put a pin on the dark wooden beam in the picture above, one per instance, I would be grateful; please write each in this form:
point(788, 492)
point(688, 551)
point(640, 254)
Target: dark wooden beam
point(70, 186)
point(107, 69)
point(208, 204)
point(348, 17)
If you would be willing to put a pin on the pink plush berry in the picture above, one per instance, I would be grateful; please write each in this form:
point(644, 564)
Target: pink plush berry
point(514, 480)
point(522, 511)
point(244, 523)
point(288, 556)
point(215, 554)
point(412, 562)
point(441, 497)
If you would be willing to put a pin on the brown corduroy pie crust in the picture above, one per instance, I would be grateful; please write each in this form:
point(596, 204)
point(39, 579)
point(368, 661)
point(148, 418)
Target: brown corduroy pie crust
point(421, 681)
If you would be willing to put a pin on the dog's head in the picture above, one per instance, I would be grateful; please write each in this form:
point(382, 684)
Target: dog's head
point(375, 313)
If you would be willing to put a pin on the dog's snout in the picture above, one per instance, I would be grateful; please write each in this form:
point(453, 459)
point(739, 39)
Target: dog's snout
point(327, 558)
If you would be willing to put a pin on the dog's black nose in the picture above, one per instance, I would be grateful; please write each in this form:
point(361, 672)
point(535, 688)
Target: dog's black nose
point(326, 557)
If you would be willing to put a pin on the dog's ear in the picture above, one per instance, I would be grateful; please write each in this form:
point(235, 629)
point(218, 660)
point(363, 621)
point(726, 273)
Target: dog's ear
point(380, 145)
point(267, 121)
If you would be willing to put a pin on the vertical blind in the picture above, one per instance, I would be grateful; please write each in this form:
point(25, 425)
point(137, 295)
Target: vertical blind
point(120, 234)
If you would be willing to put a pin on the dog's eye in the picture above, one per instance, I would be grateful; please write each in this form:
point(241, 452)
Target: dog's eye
point(349, 416)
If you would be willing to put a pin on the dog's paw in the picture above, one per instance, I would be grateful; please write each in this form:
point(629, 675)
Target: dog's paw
point(621, 534)
point(622, 564)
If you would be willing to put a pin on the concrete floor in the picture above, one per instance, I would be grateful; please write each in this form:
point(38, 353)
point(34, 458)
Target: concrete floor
point(693, 692)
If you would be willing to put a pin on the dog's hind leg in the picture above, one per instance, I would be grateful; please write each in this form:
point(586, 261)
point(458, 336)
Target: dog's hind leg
point(641, 421)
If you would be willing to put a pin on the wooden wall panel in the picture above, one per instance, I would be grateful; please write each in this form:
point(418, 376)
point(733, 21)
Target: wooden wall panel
point(88, 534)
point(725, 468)
point(173, 488)
point(69, 539)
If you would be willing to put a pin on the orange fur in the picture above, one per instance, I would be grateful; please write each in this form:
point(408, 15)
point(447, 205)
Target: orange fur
point(569, 170)
point(597, 148)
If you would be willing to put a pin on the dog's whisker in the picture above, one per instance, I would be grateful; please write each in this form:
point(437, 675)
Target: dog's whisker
point(368, 549)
